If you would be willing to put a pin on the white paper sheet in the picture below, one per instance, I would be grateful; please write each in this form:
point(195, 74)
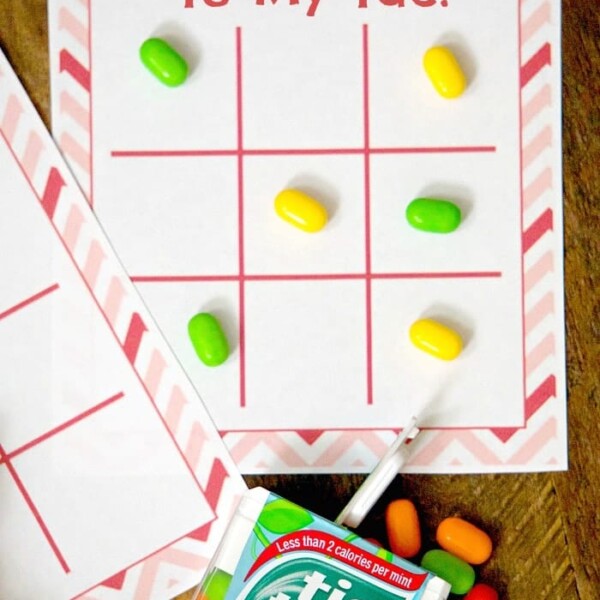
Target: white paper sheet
point(336, 104)
point(114, 482)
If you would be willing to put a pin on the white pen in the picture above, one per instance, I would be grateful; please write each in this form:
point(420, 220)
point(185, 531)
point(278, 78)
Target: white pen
point(377, 482)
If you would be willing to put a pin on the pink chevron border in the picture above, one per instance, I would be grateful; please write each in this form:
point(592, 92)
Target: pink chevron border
point(540, 440)
point(72, 112)
point(157, 370)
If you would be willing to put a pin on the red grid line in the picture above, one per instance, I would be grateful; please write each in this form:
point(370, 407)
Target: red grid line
point(34, 511)
point(62, 427)
point(181, 278)
point(104, 316)
point(341, 429)
point(367, 175)
point(440, 275)
point(317, 277)
point(301, 151)
point(435, 150)
point(28, 301)
point(240, 161)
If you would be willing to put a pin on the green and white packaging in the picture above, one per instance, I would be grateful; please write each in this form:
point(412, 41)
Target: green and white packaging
point(277, 550)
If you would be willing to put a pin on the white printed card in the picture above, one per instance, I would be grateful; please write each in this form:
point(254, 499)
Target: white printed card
point(331, 98)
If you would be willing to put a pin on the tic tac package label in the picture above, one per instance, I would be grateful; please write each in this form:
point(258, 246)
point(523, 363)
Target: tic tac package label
point(277, 550)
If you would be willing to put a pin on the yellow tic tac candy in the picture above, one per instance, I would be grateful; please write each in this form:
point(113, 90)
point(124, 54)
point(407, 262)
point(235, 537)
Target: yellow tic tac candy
point(445, 73)
point(436, 339)
point(300, 210)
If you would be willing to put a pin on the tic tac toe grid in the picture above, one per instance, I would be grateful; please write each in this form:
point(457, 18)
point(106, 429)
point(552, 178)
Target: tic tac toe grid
point(501, 293)
point(361, 158)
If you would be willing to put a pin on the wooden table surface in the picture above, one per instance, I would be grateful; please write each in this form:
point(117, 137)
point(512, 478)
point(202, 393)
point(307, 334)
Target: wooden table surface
point(545, 526)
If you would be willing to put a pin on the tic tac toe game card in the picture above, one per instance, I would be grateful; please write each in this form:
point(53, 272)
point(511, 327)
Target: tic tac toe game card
point(114, 482)
point(331, 98)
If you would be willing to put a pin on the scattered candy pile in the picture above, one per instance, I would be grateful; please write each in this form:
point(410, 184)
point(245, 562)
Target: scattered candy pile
point(462, 544)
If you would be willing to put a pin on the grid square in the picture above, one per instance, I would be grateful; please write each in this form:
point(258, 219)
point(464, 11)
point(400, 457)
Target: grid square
point(173, 305)
point(272, 246)
point(80, 507)
point(407, 111)
point(61, 359)
point(26, 539)
point(21, 355)
point(139, 112)
point(295, 362)
point(475, 390)
point(302, 95)
point(181, 212)
point(488, 238)
point(17, 283)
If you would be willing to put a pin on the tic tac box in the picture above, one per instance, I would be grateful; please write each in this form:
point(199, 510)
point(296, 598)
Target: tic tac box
point(277, 550)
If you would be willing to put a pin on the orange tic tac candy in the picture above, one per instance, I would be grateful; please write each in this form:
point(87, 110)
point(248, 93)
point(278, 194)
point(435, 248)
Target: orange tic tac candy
point(402, 524)
point(464, 540)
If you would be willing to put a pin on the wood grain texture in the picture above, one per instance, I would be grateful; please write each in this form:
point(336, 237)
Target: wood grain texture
point(546, 527)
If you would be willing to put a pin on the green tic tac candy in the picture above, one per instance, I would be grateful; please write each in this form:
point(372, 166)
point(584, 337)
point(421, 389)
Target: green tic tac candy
point(432, 215)
point(163, 62)
point(208, 339)
point(459, 574)
point(216, 586)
